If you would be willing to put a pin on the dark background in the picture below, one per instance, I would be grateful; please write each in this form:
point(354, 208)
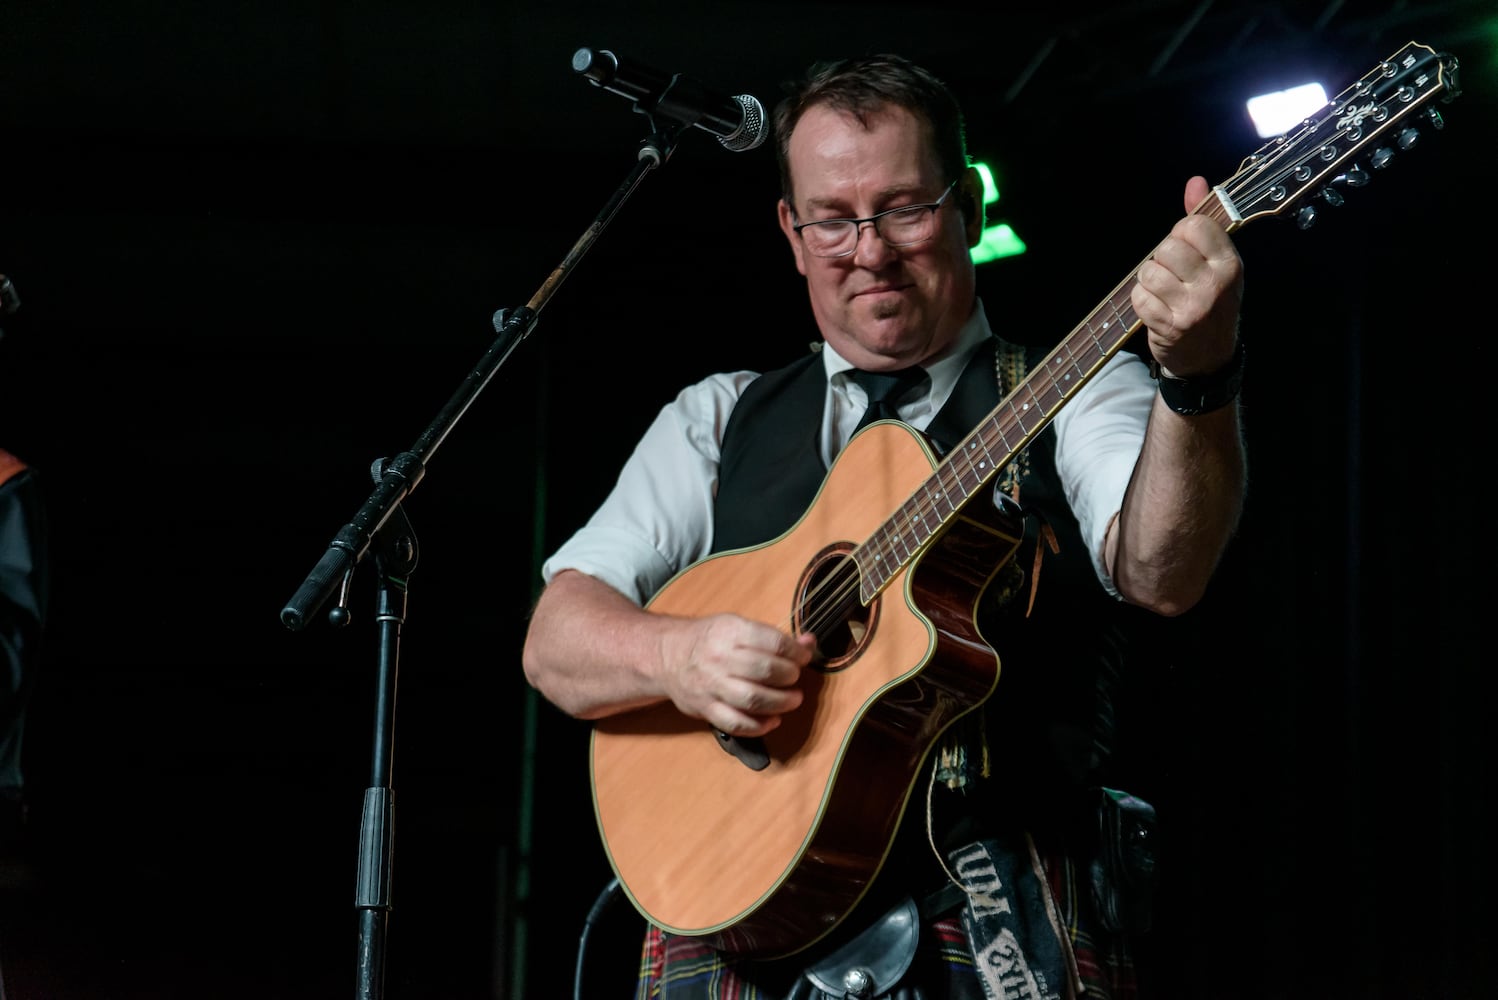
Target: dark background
point(259, 245)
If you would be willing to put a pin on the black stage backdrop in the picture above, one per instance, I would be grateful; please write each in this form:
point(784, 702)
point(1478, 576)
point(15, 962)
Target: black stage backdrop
point(259, 246)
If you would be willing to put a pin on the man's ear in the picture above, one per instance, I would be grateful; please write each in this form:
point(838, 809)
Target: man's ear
point(787, 226)
point(970, 202)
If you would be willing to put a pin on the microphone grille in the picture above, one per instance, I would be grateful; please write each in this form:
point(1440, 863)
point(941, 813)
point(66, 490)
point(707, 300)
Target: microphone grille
point(753, 130)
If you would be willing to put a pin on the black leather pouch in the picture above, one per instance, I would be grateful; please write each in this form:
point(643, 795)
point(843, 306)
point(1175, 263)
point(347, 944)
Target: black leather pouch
point(1125, 867)
point(870, 965)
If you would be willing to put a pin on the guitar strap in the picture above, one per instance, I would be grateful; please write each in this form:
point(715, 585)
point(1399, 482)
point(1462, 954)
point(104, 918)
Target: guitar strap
point(1009, 371)
point(1020, 950)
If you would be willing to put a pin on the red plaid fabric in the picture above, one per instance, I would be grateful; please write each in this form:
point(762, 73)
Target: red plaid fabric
point(681, 968)
point(1104, 962)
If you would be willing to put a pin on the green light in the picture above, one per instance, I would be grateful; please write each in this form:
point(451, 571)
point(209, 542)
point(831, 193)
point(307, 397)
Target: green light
point(990, 189)
point(998, 240)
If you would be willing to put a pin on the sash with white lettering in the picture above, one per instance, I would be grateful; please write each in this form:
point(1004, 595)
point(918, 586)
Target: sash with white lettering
point(1019, 947)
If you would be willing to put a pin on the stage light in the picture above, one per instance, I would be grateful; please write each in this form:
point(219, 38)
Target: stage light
point(1275, 114)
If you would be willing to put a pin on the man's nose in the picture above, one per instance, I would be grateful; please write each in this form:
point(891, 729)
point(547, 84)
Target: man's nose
point(877, 247)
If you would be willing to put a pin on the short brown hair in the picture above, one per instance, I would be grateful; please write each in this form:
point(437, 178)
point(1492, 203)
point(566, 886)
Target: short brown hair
point(861, 86)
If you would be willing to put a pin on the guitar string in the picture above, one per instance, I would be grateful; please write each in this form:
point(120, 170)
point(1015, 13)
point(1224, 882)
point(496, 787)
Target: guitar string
point(828, 597)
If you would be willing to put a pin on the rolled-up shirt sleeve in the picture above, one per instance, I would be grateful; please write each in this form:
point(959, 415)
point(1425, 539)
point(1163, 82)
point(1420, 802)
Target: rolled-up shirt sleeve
point(1099, 435)
point(658, 518)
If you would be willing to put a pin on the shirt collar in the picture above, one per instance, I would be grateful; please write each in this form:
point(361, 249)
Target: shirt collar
point(944, 370)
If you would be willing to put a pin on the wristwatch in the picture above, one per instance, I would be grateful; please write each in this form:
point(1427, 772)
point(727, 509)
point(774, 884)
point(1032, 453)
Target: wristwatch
point(1198, 394)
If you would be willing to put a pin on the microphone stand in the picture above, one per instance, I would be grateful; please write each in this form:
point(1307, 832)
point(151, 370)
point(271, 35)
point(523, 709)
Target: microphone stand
point(381, 526)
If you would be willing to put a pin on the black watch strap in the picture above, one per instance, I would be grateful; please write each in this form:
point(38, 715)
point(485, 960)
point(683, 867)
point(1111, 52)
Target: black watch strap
point(1200, 394)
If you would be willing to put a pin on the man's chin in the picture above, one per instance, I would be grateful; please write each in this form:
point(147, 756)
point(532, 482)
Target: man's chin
point(881, 307)
point(891, 339)
point(887, 321)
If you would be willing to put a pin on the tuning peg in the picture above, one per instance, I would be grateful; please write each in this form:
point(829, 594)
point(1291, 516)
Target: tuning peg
point(1381, 157)
point(1435, 119)
point(1408, 138)
point(1332, 197)
point(1355, 177)
point(1305, 218)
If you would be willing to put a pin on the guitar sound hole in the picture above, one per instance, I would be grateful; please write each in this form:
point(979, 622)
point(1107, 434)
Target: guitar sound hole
point(828, 605)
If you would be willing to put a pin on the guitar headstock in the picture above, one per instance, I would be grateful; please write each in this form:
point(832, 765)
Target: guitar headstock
point(1360, 130)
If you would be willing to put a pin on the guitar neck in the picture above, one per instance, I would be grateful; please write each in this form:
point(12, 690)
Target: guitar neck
point(1315, 160)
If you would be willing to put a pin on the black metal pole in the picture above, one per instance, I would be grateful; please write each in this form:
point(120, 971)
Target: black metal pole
point(396, 553)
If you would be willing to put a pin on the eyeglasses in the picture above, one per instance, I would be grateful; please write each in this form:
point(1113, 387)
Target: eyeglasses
point(899, 227)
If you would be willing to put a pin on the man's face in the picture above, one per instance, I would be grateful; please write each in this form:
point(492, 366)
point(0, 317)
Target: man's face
point(881, 307)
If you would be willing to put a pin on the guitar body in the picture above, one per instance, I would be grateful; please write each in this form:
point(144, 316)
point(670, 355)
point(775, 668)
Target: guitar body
point(765, 862)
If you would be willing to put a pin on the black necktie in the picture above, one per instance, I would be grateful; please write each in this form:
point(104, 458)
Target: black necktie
point(884, 389)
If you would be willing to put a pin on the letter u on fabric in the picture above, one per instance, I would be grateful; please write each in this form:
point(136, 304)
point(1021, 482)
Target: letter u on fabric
point(884, 389)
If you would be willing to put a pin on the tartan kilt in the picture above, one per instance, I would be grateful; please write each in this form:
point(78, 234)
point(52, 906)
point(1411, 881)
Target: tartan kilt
point(682, 968)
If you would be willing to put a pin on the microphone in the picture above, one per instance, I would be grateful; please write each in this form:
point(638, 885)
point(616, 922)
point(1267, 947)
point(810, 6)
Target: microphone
point(738, 121)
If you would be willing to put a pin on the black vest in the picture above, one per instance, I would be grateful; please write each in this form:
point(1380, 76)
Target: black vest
point(1049, 723)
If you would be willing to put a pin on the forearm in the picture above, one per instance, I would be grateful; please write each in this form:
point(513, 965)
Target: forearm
point(1180, 510)
point(590, 650)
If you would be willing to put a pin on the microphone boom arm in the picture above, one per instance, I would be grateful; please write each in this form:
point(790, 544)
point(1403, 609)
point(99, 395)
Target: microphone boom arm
point(402, 475)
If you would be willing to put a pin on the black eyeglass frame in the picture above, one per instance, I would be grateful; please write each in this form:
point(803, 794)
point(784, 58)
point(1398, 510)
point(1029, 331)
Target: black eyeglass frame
point(932, 206)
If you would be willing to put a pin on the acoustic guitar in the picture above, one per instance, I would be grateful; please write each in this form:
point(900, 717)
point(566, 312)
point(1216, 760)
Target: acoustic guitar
point(762, 847)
